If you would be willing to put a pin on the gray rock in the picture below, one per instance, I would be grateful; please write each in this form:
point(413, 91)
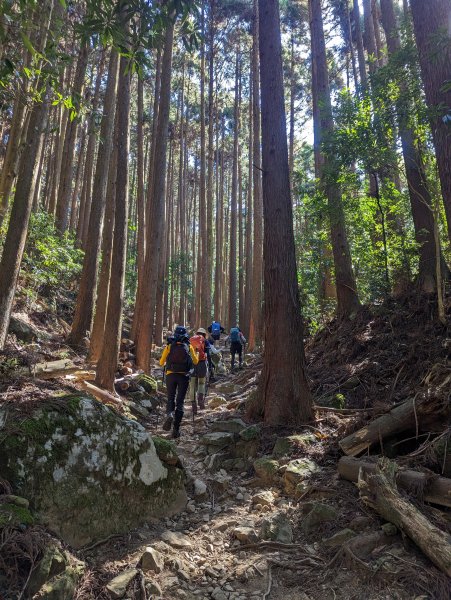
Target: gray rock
point(154, 589)
point(200, 488)
point(152, 560)
point(230, 425)
point(264, 498)
point(319, 513)
point(217, 439)
point(266, 469)
point(287, 445)
point(339, 538)
point(250, 433)
point(296, 472)
point(73, 439)
point(218, 594)
point(246, 535)
point(53, 562)
point(277, 528)
point(176, 539)
point(118, 586)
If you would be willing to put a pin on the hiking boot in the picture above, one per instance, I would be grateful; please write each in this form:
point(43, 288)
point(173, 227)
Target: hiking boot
point(194, 407)
point(176, 433)
point(168, 422)
point(241, 365)
point(201, 400)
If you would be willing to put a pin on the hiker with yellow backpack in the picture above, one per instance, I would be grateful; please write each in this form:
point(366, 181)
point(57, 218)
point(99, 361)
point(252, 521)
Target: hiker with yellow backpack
point(179, 357)
point(197, 386)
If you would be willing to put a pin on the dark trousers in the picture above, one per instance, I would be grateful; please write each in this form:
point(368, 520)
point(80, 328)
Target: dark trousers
point(177, 386)
point(236, 348)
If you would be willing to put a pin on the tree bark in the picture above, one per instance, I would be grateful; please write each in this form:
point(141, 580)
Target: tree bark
point(431, 21)
point(347, 297)
point(107, 363)
point(146, 302)
point(427, 486)
point(65, 185)
point(88, 281)
point(379, 491)
point(255, 332)
point(233, 291)
point(408, 415)
point(285, 393)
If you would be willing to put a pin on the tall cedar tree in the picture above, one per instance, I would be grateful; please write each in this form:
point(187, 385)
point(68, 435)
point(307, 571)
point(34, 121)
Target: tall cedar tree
point(107, 363)
point(347, 298)
point(285, 394)
point(432, 26)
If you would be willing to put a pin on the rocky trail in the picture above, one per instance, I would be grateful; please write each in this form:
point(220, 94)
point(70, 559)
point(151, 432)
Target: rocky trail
point(232, 510)
point(267, 517)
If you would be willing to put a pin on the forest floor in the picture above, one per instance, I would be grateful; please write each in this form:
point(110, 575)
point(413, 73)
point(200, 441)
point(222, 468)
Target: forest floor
point(244, 536)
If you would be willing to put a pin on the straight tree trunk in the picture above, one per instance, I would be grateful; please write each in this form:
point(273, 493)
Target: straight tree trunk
point(65, 185)
point(107, 363)
point(140, 196)
point(360, 51)
point(255, 333)
point(146, 302)
point(203, 290)
point(285, 394)
point(347, 298)
point(88, 282)
point(16, 235)
point(233, 290)
point(419, 194)
point(432, 26)
point(98, 324)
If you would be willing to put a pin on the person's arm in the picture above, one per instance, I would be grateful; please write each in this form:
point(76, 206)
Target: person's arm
point(164, 355)
point(193, 355)
point(243, 339)
point(209, 329)
point(222, 330)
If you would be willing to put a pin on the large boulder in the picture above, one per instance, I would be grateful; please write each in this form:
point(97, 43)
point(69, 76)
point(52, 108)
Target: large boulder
point(88, 471)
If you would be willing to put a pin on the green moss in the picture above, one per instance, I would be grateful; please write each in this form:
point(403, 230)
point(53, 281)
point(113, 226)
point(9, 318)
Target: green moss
point(166, 450)
point(13, 515)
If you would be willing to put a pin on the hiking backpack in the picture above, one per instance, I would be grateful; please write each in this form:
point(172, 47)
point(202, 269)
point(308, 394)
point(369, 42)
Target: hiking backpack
point(198, 343)
point(235, 335)
point(179, 359)
point(216, 328)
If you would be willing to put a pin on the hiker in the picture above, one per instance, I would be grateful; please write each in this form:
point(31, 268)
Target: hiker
point(216, 329)
point(179, 357)
point(199, 377)
point(237, 341)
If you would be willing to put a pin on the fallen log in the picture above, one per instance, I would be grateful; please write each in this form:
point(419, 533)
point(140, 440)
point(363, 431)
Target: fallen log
point(401, 418)
point(102, 395)
point(52, 369)
point(378, 490)
point(428, 486)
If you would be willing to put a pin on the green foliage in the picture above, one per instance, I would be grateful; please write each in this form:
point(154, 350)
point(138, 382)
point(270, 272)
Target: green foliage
point(51, 261)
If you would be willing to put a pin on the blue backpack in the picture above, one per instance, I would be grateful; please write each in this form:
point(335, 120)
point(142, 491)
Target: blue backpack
point(235, 335)
point(215, 328)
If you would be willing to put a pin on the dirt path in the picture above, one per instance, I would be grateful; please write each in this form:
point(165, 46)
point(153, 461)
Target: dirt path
point(286, 536)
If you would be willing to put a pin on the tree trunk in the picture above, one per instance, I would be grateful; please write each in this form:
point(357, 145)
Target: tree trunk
point(285, 394)
point(232, 318)
point(140, 197)
point(360, 52)
point(347, 297)
point(16, 235)
point(98, 324)
point(419, 194)
point(379, 491)
point(408, 415)
point(431, 21)
point(255, 332)
point(88, 282)
point(107, 363)
point(146, 302)
point(66, 177)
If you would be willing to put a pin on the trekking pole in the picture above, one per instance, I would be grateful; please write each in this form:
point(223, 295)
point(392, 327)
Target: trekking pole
point(195, 397)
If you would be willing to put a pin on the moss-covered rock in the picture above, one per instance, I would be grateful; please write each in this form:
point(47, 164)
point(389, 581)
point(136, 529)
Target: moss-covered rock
point(230, 425)
point(88, 471)
point(266, 469)
point(250, 433)
point(166, 450)
point(285, 446)
point(52, 563)
point(296, 472)
point(13, 515)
